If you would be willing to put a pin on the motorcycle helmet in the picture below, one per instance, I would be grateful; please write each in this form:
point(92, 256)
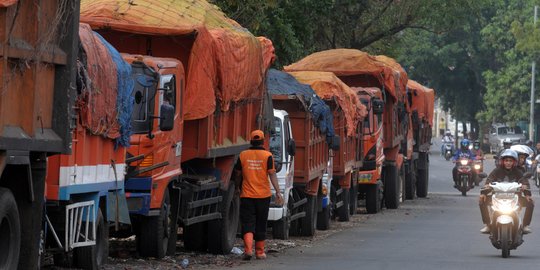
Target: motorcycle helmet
point(508, 153)
point(522, 150)
point(465, 144)
point(507, 143)
point(476, 145)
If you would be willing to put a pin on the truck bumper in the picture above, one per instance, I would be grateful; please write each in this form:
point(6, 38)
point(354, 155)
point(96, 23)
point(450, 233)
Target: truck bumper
point(368, 177)
point(275, 213)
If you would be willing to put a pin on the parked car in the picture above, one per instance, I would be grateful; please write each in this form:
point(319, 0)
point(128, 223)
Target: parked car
point(499, 132)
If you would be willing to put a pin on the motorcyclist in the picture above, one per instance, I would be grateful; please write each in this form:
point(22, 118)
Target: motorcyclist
point(507, 172)
point(507, 143)
point(463, 151)
point(447, 138)
point(523, 152)
point(477, 152)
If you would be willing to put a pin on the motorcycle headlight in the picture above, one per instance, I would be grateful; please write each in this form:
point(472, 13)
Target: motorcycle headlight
point(505, 206)
point(477, 166)
point(464, 162)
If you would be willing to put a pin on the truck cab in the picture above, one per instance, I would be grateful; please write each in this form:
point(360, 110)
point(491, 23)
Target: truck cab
point(154, 156)
point(369, 175)
point(282, 147)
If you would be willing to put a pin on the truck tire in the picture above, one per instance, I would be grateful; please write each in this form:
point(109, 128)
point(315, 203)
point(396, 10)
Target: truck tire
point(373, 198)
point(353, 198)
point(309, 222)
point(280, 228)
point(410, 183)
point(344, 212)
point(294, 228)
point(93, 257)
point(154, 231)
point(323, 218)
point(222, 232)
point(10, 234)
point(422, 183)
point(196, 237)
point(391, 187)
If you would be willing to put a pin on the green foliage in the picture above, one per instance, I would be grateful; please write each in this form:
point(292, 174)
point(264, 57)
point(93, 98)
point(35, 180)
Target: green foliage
point(476, 54)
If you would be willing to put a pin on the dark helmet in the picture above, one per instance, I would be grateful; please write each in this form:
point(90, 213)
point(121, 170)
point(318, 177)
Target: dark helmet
point(529, 143)
point(508, 153)
point(476, 145)
point(465, 144)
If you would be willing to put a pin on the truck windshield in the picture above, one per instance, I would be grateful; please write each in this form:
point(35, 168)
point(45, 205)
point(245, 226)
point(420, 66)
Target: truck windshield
point(276, 144)
point(144, 92)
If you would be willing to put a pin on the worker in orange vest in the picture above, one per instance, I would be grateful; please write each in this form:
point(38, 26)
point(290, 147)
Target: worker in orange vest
point(255, 166)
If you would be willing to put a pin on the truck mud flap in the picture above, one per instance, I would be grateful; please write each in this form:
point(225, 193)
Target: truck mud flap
point(200, 199)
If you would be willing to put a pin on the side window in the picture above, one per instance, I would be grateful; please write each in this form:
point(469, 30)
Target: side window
point(276, 145)
point(168, 85)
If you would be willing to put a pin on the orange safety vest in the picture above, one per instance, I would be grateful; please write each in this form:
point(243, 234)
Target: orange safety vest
point(255, 170)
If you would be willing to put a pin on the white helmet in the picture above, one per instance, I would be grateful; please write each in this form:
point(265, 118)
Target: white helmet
point(522, 150)
point(509, 153)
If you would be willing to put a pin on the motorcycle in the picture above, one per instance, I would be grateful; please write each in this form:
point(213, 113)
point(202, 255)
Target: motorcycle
point(537, 171)
point(506, 226)
point(448, 150)
point(464, 175)
point(478, 166)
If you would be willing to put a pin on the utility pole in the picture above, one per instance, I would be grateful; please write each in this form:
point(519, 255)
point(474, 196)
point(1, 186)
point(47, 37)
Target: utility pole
point(533, 80)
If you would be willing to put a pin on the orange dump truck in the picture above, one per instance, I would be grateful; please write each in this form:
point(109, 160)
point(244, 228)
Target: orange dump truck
point(85, 189)
point(423, 100)
point(370, 184)
point(38, 49)
point(312, 131)
point(359, 69)
point(348, 114)
point(199, 90)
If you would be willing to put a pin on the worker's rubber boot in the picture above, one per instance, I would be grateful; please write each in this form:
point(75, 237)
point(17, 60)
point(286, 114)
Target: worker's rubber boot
point(259, 250)
point(248, 246)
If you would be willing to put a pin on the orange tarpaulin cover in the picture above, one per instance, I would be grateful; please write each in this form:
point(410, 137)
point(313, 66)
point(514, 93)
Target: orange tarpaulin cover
point(329, 87)
point(269, 52)
point(225, 60)
point(423, 100)
point(97, 101)
point(430, 99)
point(348, 62)
point(7, 3)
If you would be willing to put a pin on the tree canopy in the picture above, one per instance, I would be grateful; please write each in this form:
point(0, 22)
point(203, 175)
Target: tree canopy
point(476, 54)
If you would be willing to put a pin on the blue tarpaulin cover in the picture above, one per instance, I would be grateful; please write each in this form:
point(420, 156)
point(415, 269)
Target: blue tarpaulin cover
point(281, 83)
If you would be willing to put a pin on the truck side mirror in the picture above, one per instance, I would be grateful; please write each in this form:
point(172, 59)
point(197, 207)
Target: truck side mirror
point(291, 147)
point(335, 143)
point(166, 121)
point(378, 106)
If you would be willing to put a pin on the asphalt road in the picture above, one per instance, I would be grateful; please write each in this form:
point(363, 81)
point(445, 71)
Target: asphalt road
point(438, 232)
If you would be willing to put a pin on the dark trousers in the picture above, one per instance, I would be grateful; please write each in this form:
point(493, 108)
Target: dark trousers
point(526, 218)
point(253, 216)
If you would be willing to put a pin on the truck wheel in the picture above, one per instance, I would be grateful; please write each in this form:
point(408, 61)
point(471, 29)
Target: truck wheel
point(344, 212)
point(93, 257)
point(10, 234)
point(323, 218)
point(410, 184)
point(373, 198)
point(309, 222)
point(222, 232)
point(422, 183)
point(154, 232)
point(294, 197)
point(196, 237)
point(353, 198)
point(391, 187)
point(280, 228)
